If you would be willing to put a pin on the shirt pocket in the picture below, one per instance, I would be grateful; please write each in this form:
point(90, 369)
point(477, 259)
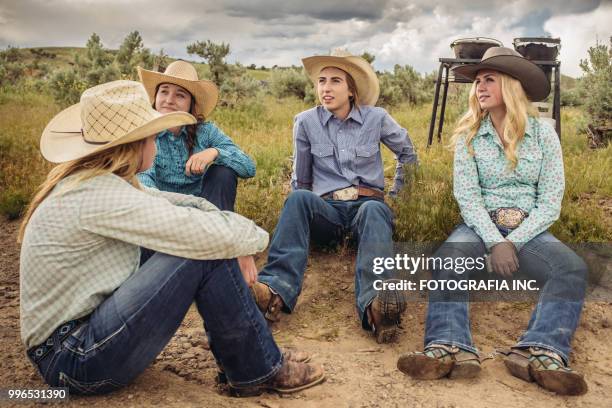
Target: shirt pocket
point(528, 167)
point(323, 156)
point(367, 162)
point(490, 162)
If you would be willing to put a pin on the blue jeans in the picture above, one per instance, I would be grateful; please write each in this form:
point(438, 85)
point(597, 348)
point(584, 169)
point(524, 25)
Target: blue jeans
point(305, 216)
point(219, 185)
point(562, 277)
point(131, 327)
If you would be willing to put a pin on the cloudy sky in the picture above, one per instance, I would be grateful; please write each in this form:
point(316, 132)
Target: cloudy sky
point(268, 32)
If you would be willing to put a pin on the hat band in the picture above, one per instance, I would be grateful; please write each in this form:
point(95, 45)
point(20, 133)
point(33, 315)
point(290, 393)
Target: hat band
point(83, 136)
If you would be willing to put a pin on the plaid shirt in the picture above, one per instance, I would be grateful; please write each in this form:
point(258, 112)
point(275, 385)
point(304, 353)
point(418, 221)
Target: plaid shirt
point(81, 245)
point(484, 182)
point(168, 170)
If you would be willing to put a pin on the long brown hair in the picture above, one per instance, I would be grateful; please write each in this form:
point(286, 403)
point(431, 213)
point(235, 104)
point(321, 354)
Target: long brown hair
point(191, 129)
point(123, 160)
point(352, 86)
point(518, 109)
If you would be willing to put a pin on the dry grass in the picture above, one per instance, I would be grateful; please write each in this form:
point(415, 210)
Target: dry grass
point(263, 128)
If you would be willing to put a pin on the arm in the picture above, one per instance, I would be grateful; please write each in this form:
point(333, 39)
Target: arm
point(230, 155)
point(467, 191)
point(131, 215)
point(301, 178)
point(549, 193)
point(147, 178)
point(182, 200)
point(397, 140)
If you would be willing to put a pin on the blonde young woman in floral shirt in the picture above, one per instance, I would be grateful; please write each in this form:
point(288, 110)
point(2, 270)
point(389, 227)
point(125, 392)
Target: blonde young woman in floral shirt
point(508, 182)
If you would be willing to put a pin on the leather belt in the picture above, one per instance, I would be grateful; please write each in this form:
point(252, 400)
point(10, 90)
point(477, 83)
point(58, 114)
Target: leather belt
point(60, 334)
point(353, 193)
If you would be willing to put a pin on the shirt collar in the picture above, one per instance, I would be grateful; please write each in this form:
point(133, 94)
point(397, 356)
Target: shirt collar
point(354, 114)
point(167, 133)
point(486, 127)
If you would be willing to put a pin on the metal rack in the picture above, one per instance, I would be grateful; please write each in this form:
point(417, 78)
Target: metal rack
point(444, 78)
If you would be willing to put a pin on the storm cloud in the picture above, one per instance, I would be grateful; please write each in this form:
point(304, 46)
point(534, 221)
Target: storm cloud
point(275, 32)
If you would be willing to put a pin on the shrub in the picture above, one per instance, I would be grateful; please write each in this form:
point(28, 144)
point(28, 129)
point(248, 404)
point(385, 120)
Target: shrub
point(67, 87)
point(289, 82)
point(597, 84)
point(13, 203)
point(404, 84)
point(236, 89)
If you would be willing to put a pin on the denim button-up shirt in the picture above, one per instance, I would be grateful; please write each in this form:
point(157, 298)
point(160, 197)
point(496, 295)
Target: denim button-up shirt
point(331, 154)
point(168, 170)
point(485, 182)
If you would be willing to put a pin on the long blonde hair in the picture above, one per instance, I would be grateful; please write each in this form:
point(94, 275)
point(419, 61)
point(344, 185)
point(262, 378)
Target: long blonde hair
point(123, 161)
point(518, 109)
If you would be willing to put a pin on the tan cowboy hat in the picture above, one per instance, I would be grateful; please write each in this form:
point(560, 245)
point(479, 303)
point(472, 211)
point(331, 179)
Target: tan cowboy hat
point(183, 74)
point(108, 115)
point(361, 71)
point(510, 62)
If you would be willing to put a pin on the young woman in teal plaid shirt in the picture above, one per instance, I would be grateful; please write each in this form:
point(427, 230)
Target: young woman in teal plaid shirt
point(196, 159)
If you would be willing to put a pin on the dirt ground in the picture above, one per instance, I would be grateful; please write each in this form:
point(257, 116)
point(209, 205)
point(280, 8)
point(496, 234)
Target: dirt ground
point(360, 373)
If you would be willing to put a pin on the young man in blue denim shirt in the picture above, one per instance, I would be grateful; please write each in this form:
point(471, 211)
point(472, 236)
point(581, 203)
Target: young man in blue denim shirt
point(338, 187)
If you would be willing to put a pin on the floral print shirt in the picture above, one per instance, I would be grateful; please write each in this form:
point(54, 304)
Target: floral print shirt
point(485, 181)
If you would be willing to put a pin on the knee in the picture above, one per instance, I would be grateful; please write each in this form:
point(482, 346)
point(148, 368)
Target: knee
point(300, 197)
point(221, 174)
point(576, 266)
point(376, 211)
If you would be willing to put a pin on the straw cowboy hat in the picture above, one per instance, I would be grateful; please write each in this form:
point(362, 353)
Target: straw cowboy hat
point(183, 74)
point(361, 71)
point(108, 115)
point(510, 62)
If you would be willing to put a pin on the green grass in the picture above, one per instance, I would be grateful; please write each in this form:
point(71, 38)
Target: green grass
point(263, 128)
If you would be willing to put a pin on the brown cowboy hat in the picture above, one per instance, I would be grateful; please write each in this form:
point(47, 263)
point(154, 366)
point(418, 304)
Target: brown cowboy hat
point(183, 74)
point(510, 62)
point(361, 71)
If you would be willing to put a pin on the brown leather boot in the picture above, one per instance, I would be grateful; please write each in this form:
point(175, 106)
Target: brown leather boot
point(289, 354)
point(292, 377)
point(385, 313)
point(268, 302)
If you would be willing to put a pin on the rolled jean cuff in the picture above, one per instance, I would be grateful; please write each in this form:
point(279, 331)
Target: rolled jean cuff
point(364, 314)
point(462, 346)
point(261, 379)
point(526, 344)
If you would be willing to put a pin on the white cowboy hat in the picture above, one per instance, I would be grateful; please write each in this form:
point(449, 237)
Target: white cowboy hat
point(361, 71)
point(510, 62)
point(183, 74)
point(108, 115)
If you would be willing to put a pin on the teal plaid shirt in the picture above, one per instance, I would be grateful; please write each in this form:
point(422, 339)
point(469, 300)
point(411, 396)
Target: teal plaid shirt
point(485, 182)
point(168, 170)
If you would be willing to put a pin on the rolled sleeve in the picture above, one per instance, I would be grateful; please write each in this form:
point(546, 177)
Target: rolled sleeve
point(396, 138)
point(230, 155)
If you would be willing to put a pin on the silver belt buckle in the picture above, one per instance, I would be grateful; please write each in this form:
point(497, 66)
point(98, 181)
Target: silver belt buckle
point(346, 194)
